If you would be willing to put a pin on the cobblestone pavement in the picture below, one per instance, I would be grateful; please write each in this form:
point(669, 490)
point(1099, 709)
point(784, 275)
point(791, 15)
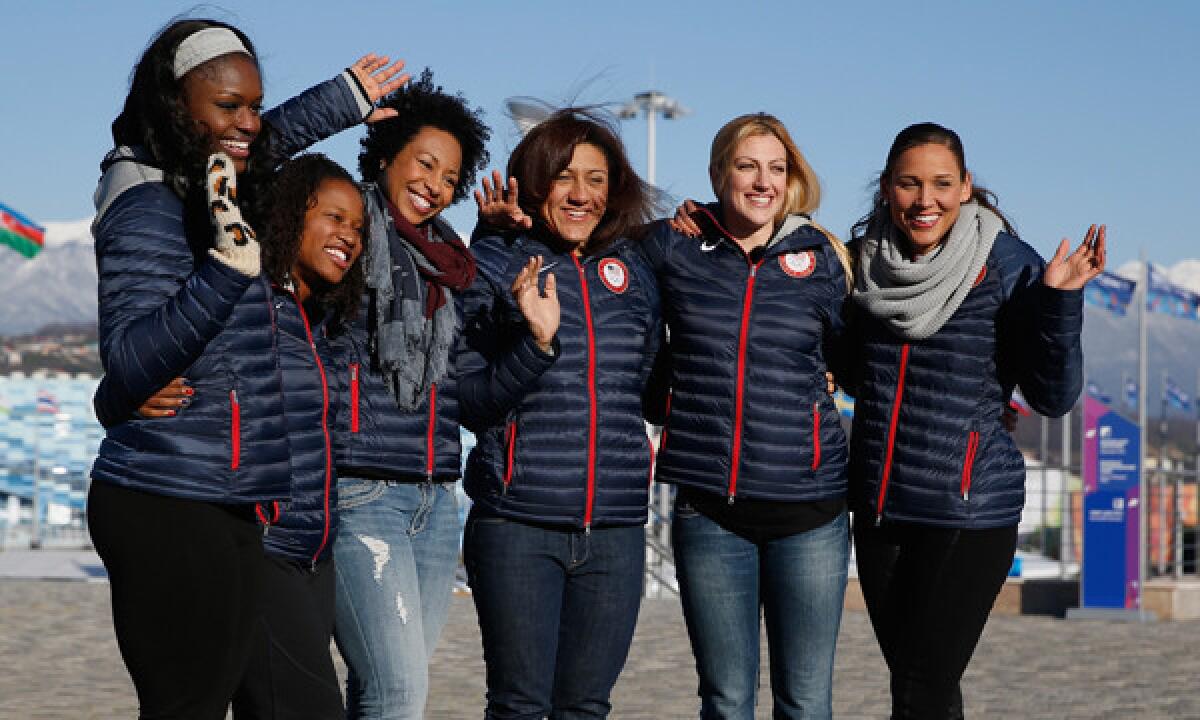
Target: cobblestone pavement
point(62, 662)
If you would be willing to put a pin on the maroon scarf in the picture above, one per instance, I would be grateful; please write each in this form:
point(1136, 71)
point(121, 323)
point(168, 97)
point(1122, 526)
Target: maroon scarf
point(453, 266)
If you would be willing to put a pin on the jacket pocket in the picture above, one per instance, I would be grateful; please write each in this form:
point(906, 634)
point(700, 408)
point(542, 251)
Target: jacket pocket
point(510, 449)
point(353, 397)
point(235, 430)
point(816, 433)
point(969, 463)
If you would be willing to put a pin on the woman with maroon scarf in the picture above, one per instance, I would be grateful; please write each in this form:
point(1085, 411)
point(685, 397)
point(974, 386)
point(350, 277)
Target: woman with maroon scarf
point(397, 441)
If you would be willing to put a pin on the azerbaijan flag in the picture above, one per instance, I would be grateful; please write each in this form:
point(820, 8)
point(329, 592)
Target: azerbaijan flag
point(20, 233)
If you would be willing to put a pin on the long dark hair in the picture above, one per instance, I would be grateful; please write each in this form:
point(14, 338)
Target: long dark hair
point(926, 133)
point(155, 117)
point(547, 150)
point(290, 194)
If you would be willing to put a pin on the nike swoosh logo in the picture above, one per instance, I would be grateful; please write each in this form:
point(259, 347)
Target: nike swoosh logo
point(708, 248)
point(546, 267)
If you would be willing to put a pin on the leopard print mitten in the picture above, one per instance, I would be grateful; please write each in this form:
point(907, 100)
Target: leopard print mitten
point(235, 244)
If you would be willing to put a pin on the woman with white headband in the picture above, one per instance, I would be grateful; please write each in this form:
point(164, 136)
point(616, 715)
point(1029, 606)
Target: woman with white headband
point(179, 502)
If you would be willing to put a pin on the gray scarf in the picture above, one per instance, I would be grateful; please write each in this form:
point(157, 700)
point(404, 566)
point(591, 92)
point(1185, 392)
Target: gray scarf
point(411, 351)
point(915, 298)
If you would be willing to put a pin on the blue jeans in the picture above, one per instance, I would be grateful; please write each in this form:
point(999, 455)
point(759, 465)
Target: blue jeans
point(557, 609)
point(396, 550)
point(798, 582)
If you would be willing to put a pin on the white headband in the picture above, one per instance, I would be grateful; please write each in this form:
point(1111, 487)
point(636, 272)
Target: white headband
point(204, 45)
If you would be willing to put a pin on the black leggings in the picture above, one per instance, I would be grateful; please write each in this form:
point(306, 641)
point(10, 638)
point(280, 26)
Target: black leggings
point(185, 580)
point(291, 675)
point(929, 591)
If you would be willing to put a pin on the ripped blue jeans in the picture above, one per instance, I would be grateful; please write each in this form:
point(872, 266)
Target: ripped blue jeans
point(396, 549)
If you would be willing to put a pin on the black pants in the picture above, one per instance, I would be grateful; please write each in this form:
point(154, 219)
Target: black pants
point(291, 673)
point(929, 591)
point(185, 579)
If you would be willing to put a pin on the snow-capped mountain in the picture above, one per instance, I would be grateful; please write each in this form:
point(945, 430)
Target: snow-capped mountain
point(59, 286)
point(56, 286)
point(1185, 273)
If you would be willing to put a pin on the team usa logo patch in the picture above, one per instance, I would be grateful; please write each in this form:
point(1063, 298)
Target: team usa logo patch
point(798, 264)
point(614, 275)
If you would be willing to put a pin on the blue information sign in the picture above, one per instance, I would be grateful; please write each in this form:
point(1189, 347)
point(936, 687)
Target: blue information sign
point(1111, 566)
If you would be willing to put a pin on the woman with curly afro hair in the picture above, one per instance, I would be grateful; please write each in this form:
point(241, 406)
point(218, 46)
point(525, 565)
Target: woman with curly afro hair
point(178, 497)
point(398, 449)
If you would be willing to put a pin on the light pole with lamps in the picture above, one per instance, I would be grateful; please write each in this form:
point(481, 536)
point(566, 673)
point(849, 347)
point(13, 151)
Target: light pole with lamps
point(651, 104)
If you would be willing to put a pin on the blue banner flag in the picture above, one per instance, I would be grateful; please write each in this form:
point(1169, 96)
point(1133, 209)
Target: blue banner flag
point(1094, 390)
point(1176, 397)
point(1164, 297)
point(845, 404)
point(1131, 392)
point(1111, 292)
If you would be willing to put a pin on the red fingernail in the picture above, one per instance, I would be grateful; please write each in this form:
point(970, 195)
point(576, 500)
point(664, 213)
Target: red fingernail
point(170, 412)
point(188, 391)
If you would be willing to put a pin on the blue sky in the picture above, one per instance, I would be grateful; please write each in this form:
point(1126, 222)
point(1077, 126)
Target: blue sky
point(1072, 112)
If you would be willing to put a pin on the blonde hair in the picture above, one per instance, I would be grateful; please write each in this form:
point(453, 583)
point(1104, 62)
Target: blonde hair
point(803, 187)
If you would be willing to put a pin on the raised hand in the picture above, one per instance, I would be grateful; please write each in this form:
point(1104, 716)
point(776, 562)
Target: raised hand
point(683, 222)
point(1073, 271)
point(540, 307)
point(378, 76)
point(235, 243)
point(498, 204)
point(169, 401)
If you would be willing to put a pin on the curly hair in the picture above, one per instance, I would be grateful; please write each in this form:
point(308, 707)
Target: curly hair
point(422, 104)
point(547, 149)
point(155, 116)
point(290, 194)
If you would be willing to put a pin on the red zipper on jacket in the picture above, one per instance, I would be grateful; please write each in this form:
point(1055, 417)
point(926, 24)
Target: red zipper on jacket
point(969, 463)
point(650, 447)
point(262, 516)
point(235, 430)
point(324, 427)
point(429, 433)
point(662, 437)
point(891, 441)
point(816, 463)
point(739, 395)
point(353, 397)
point(511, 435)
point(591, 381)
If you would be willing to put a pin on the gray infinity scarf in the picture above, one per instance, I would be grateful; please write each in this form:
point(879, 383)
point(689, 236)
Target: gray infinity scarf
point(916, 298)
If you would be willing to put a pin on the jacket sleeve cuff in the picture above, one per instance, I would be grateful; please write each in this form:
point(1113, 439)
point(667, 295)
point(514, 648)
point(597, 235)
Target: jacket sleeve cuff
point(527, 361)
point(365, 108)
point(1061, 310)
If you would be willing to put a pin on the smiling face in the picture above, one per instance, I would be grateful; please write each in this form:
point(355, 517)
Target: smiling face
point(578, 196)
point(331, 239)
point(224, 98)
point(421, 178)
point(755, 186)
point(924, 191)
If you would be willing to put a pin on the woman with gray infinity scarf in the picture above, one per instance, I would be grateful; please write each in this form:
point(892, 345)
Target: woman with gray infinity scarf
point(951, 312)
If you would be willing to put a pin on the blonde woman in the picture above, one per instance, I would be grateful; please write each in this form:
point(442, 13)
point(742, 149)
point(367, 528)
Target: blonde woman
point(752, 439)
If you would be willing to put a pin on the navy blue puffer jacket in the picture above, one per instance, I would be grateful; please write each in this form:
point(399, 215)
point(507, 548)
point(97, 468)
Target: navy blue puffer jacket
point(166, 312)
point(750, 415)
point(375, 438)
point(305, 527)
point(561, 439)
point(927, 444)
